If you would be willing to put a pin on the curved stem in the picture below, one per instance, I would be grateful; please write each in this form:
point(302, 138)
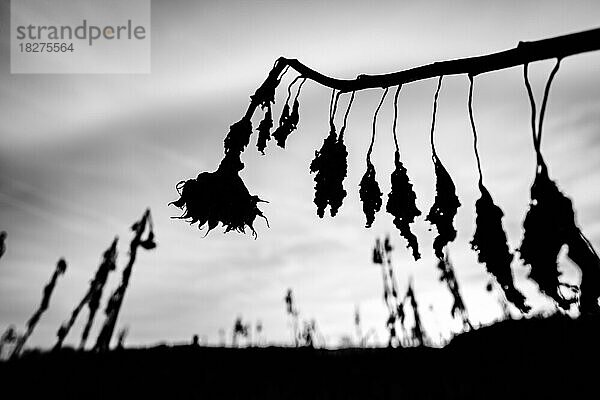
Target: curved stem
point(334, 109)
point(299, 88)
point(435, 100)
point(523, 53)
point(396, 118)
point(385, 92)
point(346, 114)
point(533, 109)
point(544, 102)
point(289, 90)
point(331, 105)
point(474, 130)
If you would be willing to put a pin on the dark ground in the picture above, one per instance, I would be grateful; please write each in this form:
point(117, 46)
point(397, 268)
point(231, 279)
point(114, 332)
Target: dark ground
point(556, 357)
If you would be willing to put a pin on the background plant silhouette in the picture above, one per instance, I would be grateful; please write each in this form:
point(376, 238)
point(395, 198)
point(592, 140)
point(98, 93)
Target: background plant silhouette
point(115, 301)
point(3, 236)
point(91, 298)
point(61, 268)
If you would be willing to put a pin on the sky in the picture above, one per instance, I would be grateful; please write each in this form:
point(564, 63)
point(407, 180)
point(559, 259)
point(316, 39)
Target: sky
point(82, 156)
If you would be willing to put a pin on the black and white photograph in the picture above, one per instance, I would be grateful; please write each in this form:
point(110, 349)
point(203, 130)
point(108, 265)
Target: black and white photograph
point(275, 199)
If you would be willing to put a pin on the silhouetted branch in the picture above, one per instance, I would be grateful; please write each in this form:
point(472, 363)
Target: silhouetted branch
point(222, 197)
point(524, 53)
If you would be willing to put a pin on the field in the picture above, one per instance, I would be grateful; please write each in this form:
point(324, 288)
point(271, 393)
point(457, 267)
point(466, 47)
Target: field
point(554, 357)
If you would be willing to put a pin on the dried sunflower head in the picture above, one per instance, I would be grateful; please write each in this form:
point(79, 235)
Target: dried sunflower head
point(219, 197)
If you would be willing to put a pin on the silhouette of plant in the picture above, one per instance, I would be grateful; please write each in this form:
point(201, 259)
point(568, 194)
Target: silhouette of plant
point(91, 298)
point(370, 194)
point(402, 198)
point(361, 339)
point(9, 337)
point(309, 333)
point(239, 329)
point(3, 235)
point(459, 309)
point(305, 336)
point(418, 333)
point(382, 255)
point(550, 224)
point(489, 240)
point(446, 203)
point(115, 301)
point(121, 336)
point(293, 313)
point(61, 268)
point(331, 165)
point(221, 197)
point(259, 331)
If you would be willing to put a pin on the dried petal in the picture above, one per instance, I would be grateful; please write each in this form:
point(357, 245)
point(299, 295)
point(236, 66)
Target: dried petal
point(444, 208)
point(402, 205)
point(370, 194)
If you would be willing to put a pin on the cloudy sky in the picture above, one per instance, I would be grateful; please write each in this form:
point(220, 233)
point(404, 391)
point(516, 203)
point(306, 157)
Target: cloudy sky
point(82, 156)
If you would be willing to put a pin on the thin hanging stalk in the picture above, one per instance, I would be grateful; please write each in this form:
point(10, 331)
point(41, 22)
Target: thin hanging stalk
point(370, 194)
point(446, 203)
point(489, 239)
point(115, 301)
point(61, 268)
point(92, 296)
point(402, 198)
point(550, 224)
